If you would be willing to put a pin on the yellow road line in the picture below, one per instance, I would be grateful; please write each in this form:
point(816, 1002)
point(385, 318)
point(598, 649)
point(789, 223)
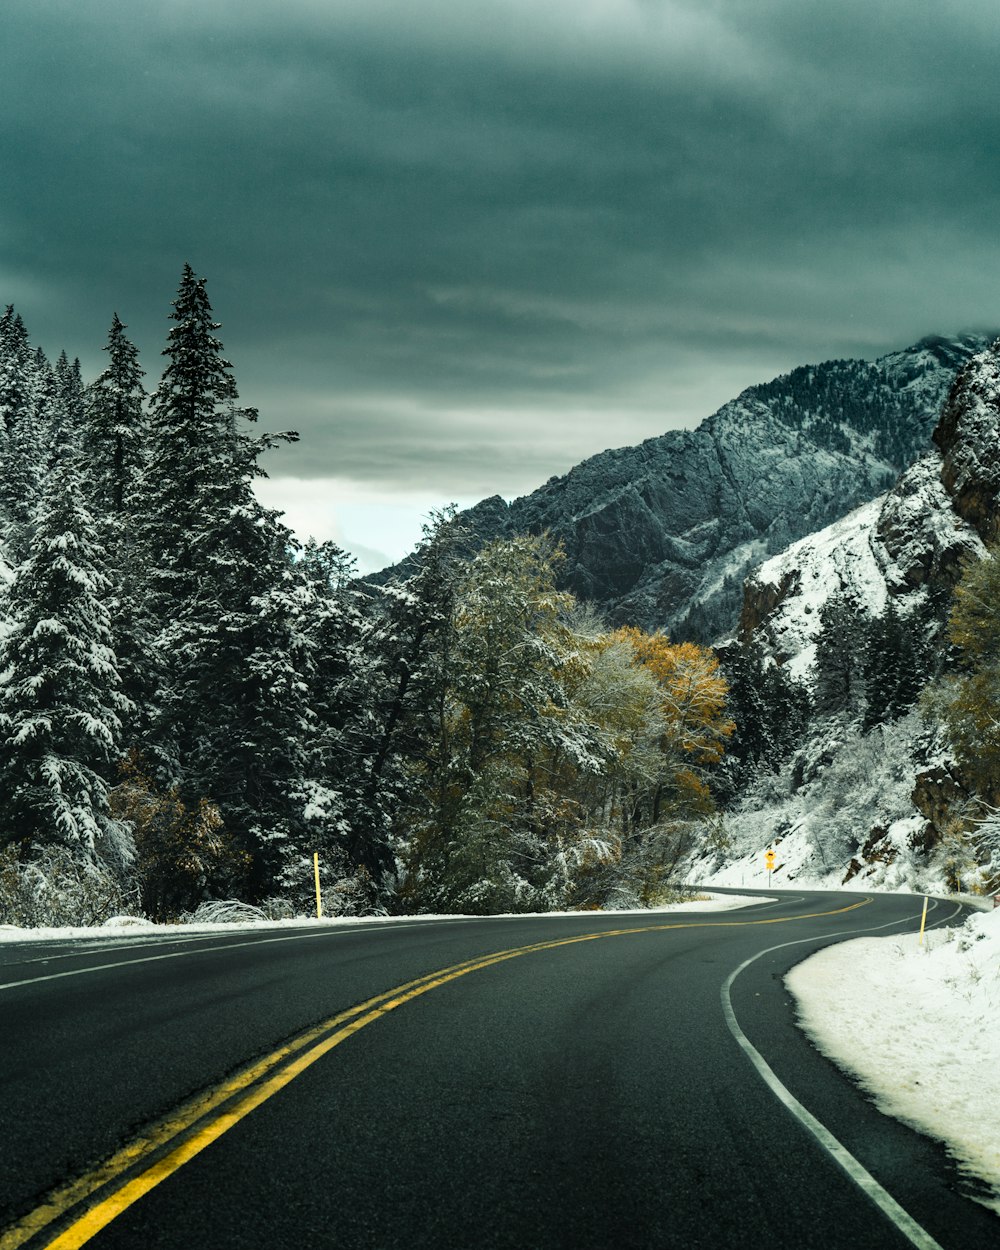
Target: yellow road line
point(296, 1056)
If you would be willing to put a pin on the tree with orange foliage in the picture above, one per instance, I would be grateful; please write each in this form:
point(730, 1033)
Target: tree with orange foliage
point(693, 705)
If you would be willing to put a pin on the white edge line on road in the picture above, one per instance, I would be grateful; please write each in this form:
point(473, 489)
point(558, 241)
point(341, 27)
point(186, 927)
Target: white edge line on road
point(198, 947)
point(915, 1233)
point(203, 950)
point(199, 938)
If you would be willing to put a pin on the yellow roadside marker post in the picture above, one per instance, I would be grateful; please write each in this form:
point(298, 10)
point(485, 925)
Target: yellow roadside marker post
point(769, 861)
point(923, 920)
point(319, 897)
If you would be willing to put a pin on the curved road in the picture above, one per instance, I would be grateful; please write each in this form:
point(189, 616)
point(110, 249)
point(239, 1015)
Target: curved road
point(589, 1081)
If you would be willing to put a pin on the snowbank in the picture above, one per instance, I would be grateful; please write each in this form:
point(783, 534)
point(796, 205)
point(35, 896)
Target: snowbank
point(799, 864)
point(919, 1028)
point(130, 927)
point(839, 815)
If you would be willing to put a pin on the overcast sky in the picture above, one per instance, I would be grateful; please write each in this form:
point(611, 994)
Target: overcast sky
point(462, 244)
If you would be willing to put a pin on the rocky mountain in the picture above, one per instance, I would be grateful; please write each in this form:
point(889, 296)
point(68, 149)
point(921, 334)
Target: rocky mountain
point(872, 805)
point(663, 534)
point(906, 544)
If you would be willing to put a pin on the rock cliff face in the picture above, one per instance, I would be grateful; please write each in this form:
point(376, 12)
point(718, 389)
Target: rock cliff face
point(664, 533)
point(907, 543)
point(969, 439)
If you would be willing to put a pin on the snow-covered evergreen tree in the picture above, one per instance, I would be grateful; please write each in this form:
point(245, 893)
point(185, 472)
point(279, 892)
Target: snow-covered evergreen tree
point(190, 463)
point(116, 433)
point(230, 723)
point(67, 425)
point(22, 438)
point(840, 654)
point(769, 708)
point(17, 369)
point(114, 442)
point(407, 645)
point(47, 404)
point(895, 671)
point(340, 676)
point(60, 704)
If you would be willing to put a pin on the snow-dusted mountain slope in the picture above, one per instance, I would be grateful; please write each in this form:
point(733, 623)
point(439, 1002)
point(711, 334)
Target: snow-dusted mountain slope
point(663, 534)
point(906, 543)
point(868, 806)
point(968, 436)
point(901, 544)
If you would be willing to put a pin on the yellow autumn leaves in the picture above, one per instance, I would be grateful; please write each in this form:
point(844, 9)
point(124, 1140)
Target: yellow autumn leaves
point(559, 747)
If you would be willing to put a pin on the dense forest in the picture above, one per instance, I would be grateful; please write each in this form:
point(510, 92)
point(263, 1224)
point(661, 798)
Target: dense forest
point(194, 703)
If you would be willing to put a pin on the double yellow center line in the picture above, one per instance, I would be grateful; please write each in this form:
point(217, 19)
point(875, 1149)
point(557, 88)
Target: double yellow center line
point(71, 1215)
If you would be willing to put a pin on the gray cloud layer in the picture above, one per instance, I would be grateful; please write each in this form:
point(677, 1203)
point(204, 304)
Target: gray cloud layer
point(464, 244)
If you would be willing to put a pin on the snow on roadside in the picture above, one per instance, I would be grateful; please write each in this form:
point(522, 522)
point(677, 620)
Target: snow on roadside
point(125, 928)
point(919, 1028)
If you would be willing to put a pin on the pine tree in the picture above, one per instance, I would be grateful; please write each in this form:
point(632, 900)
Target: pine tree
point(340, 695)
point(17, 371)
point(22, 438)
point(190, 463)
point(67, 426)
point(241, 673)
point(47, 404)
point(60, 709)
point(229, 720)
point(115, 438)
point(840, 650)
point(116, 427)
point(895, 671)
point(395, 724)
point(769, 708)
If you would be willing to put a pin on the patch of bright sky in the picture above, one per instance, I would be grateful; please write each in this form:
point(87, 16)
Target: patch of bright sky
point(377, 523)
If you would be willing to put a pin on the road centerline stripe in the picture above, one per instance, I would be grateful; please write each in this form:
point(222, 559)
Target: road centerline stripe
point(205, 1118)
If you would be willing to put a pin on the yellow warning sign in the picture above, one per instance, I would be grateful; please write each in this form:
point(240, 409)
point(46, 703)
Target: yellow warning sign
point(769, 860)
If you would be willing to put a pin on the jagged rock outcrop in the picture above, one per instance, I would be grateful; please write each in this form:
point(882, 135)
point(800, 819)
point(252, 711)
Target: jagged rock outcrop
point(663, 534)
point(762, 598)
point(938, 792)
point(908, 544)
point(968, 436)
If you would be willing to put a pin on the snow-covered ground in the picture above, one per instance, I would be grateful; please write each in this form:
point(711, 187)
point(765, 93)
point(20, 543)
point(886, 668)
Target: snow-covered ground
point(132, 927)
point(919, 1028)
point(799, 863)
point(839, 815)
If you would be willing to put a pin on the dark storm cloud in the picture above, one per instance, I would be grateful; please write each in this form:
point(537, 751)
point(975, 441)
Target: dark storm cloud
point(472, 241)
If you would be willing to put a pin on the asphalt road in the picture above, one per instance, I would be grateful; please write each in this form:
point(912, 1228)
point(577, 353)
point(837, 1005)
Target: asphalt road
point(592, 1093)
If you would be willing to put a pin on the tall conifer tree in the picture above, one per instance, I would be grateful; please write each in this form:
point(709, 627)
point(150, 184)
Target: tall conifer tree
point(67, 425)
point(115, 435)
point(23, 433)
point(188, 452)
point(115, 431)
point(840, 654)
point(230, 724)
point(17, 372)
point(61, 706)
